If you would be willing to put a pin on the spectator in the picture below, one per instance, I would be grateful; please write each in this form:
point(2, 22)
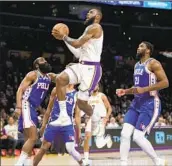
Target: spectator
point(160, 123)
point(11, 131)
point(113, 123)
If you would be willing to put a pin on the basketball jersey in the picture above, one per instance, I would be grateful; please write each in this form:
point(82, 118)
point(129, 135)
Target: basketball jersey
point(70, 106)
point(143, 77)
point(36, 92)
point(91, 51)
point(97, 104)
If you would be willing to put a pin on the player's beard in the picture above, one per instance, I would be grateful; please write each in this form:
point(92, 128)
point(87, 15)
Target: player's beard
point(45, 67)
point(90, 21)
point(139, 55)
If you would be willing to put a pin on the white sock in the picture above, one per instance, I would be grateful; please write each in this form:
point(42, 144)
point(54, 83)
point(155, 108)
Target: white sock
point(28, 162)
point(76, 155)
point(22, 159)
point(125, 142)
point(62, 105)
point(124, 149)
point(86, 155)
point(139, 138)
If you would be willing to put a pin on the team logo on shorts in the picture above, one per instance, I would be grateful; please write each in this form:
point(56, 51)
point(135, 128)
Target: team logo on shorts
point(142, 126)
point(71, 137)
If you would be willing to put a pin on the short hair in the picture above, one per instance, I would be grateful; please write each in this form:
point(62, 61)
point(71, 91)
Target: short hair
point(149, 46)
point(36, 62)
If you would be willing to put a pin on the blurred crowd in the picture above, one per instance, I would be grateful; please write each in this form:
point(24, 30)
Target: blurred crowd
point(116, 74)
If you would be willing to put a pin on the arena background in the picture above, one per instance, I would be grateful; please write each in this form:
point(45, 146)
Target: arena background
point(25, 34)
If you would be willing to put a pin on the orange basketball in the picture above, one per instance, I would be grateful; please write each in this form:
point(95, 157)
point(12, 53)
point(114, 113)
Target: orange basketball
point(62, 28)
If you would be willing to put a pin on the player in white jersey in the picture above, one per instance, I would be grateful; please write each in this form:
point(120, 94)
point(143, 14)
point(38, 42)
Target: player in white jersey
point(96, 124)
point(87, 72)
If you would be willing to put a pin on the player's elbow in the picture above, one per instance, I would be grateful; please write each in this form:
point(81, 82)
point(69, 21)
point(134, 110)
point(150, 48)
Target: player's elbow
point(166, 83)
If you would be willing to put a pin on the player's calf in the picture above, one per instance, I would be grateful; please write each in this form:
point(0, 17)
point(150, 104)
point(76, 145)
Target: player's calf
point(44, 147)
point(84, 106)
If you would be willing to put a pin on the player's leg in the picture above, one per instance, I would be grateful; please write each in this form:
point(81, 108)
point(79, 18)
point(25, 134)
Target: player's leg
point(28, 145)
point(28, 161)
point(91, 75)
point(49, 135)
point(30, 122)
point(69, 75)
point(87, 139)
point(68, 137)
point(128, 128)
point(146, 121)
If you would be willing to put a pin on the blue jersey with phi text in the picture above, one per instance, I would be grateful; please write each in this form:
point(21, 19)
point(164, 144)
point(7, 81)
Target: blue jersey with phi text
point(143, 78)
point(36, 93)
point(70, 106)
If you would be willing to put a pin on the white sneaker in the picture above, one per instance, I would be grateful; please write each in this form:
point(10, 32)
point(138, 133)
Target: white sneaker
point(62, 121)
point(109, 141)
point(123, 163)
point(86, 162)
point(161, 162)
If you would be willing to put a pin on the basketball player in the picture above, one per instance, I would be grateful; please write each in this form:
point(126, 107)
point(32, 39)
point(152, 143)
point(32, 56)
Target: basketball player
point(67, 131)
point(30, 94)
point(96, 124)
point(88, 71)
point(149, 77)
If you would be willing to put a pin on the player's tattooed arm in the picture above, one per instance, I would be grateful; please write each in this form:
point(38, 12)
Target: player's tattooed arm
point(49, 108)
point(162, 80)
point(92, 32)
point(26, 82)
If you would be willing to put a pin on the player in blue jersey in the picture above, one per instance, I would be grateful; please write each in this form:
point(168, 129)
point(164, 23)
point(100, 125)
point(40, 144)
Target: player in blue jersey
point(149, 78)
point(67, 132)
point(30, 94)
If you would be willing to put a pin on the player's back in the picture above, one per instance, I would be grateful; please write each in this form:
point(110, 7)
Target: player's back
point(92, 50)
point(97, 103)
point(36, 92)
point(143, 77)
point(70, 105)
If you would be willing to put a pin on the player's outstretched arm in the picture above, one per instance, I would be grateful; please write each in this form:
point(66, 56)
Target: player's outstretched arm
point(92, 32)
point(49, 108)
point(26, 82)
point(48, 111)
point(162, 80)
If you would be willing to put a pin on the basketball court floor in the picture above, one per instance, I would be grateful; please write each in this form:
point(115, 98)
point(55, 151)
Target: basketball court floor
point(137, 158)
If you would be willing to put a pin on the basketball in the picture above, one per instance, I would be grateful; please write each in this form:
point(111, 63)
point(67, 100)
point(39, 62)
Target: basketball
point(62, 28)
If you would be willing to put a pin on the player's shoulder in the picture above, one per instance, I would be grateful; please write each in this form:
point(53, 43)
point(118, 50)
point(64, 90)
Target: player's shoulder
point(94, 27)
point(154, 61)
point(32, 74)
point(102, 94)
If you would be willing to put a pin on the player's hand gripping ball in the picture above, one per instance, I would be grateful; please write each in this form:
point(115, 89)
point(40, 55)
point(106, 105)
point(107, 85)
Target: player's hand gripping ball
point(60, 30)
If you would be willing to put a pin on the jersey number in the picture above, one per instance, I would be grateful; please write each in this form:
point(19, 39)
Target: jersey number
point(136, 80)
point(42, 95)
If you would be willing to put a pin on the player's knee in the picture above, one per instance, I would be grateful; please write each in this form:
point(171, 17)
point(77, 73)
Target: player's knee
point(138, 134)
point(87, 136)
point(127, 131)
point(45, 145)
point(62, 79)
point(70, 147)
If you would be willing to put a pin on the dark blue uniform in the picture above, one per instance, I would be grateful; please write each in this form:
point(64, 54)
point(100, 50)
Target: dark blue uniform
point(31, 99)
point(67, 132)
point(145, 108)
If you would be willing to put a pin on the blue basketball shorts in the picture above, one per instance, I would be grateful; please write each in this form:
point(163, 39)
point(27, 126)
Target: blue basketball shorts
point(142, 114)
